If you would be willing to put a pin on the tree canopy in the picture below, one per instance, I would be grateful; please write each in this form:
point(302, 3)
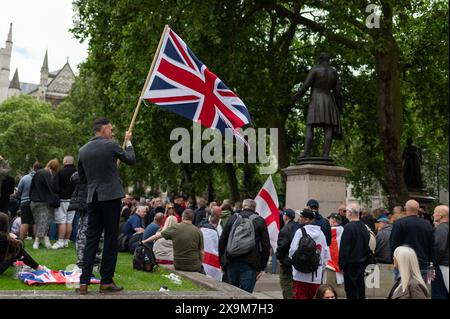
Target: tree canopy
point(394, 78)
point(30, 131)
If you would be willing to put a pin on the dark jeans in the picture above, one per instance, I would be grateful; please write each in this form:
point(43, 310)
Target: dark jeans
point(241, 275)
point(354, 284)
point(438, 290)
point(103, 217)
point(53, 231)
point(21, 256)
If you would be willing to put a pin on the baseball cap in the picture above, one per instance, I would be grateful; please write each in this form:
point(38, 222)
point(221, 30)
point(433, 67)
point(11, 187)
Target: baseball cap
point(307, 213)
point(335, 216)
point(289, 213)
point(383, 218)
point(312, 203)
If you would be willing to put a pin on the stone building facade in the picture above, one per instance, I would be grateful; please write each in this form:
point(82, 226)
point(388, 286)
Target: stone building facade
point(53, 86)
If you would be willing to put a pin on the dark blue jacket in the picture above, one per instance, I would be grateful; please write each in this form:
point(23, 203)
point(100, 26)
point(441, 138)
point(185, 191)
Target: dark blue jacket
point(324, 226)
point(416, 233)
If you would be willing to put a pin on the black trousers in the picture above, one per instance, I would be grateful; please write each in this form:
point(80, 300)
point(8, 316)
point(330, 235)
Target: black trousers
point(21, 256)
point(103, 216)
point(354, 284)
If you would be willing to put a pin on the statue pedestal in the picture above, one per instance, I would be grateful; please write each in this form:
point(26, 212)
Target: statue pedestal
point(324, 183)
point(423, 198)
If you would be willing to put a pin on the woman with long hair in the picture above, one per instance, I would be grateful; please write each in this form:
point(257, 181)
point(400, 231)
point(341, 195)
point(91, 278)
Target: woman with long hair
point(44, 200)
point(326, 292)
point(410, 284)
point(163, 248)
point(170, 211)
point(11, 248)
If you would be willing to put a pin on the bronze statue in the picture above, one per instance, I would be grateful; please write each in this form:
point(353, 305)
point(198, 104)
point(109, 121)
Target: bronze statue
point(412, 161)
point(324, 107)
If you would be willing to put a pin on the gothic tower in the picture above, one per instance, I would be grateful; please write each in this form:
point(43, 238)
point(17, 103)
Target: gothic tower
point(5, 61)
point(44, 78)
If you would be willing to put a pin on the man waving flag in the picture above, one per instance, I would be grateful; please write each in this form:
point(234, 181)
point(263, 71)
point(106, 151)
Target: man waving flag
point(179, 82)
point(267, 207)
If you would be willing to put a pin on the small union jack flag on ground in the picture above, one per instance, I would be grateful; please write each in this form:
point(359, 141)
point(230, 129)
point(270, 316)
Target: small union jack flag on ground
point(182, 84)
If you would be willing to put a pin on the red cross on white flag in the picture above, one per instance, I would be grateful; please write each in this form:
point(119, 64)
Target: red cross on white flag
point(267, 208)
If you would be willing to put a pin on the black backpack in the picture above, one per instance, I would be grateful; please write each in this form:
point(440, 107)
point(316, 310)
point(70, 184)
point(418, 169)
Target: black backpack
point(144, 259)
point(134, 241)
point(306, 258)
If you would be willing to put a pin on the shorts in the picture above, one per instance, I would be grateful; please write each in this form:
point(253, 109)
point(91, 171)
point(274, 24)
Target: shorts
point(62, 216)
point(27, 216)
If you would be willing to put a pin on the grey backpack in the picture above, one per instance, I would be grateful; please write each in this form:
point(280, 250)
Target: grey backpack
point(242, 236)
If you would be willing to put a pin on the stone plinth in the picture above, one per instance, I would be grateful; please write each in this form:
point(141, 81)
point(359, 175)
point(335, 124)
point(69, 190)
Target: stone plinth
point(423, 198)
point(324, 183)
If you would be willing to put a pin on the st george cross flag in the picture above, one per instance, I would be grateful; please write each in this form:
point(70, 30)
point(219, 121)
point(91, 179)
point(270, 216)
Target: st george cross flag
point(267, 207)
point(179, 82)
point(211, 262)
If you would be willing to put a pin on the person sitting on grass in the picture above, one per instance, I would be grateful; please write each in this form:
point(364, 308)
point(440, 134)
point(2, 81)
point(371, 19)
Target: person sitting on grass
point(170, 211)
point(11, 248)
point(135, 224)
point(187, 243)
point(163, 248)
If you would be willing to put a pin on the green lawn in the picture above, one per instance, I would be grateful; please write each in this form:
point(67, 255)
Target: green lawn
point(125, 275)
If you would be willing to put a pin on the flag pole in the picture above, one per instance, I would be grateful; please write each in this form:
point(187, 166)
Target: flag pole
point(136, 110)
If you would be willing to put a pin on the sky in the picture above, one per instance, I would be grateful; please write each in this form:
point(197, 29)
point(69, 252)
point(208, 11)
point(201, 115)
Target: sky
point(39, 25)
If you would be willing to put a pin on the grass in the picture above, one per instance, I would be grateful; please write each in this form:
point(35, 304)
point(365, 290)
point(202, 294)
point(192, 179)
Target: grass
point(125, 275)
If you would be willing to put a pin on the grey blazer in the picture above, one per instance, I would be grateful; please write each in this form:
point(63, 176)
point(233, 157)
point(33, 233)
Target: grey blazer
point(97, 167)
point(414, 291)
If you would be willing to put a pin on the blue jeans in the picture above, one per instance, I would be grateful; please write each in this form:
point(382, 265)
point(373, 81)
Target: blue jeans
point(241, 275)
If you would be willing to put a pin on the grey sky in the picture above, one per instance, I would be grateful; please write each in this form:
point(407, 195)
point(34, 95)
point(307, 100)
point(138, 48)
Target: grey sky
point(39, 25)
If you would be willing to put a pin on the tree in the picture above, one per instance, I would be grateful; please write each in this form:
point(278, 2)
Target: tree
point(30, 131)
point(261, 49)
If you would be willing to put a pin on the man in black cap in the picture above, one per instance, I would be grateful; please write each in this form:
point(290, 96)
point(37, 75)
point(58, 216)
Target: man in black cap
point(319, 220)
point(306, 280)
point(284, 242)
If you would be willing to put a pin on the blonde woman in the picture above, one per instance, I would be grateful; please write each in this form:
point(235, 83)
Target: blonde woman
point(410, 284)
point(44, 200)
point(163, 248)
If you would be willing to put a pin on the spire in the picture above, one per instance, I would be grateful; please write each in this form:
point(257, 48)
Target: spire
point(45, 63)
point(10, 33)
point(15, 83)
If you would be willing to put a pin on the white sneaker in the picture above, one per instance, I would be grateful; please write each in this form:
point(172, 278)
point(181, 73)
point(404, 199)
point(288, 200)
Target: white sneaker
point(47, 242)
point(59, 244)
point(36, 245)
point(66, 243)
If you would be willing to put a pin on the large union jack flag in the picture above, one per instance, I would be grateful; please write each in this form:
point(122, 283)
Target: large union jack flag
point(182, 84)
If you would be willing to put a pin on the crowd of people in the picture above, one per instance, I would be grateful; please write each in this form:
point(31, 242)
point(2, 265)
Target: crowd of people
point(227, 241)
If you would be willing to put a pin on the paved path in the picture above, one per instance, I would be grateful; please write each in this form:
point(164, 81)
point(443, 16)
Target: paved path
point(268, 287)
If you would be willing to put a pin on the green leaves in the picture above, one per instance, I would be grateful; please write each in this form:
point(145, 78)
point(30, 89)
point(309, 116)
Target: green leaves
point(248, 45)
point(30, 131)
